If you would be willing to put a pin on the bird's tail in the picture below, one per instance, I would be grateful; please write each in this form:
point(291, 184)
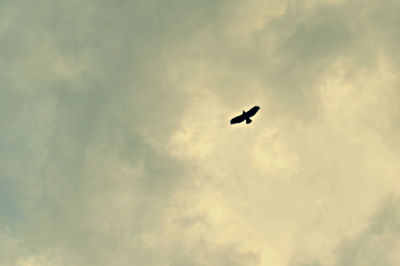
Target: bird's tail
point(248, 120)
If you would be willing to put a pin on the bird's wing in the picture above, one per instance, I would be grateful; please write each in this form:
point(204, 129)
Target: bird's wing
point(238, 119)
point(253, 111)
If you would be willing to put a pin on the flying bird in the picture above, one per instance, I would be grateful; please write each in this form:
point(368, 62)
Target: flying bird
point(245, 116)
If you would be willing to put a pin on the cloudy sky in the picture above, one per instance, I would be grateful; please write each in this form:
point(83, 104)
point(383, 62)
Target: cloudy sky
point(116, 148)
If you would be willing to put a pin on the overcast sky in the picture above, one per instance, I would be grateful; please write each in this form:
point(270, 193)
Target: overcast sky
point(116, 148)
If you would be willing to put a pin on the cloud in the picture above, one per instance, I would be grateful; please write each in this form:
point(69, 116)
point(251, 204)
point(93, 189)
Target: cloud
point(376, 244)
point(116, 147)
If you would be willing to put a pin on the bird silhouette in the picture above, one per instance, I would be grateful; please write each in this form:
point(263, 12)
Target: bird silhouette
point(245, 116)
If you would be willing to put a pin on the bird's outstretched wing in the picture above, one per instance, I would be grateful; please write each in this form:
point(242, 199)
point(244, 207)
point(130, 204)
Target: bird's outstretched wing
point(253, 111)
point(238, 119)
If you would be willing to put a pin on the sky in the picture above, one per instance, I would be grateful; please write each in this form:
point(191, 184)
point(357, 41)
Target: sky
point(116, 147)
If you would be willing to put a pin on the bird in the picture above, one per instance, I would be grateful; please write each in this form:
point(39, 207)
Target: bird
point(245, 116)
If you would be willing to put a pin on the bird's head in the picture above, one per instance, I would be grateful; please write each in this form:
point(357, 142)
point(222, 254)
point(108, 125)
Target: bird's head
point(244, 112)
